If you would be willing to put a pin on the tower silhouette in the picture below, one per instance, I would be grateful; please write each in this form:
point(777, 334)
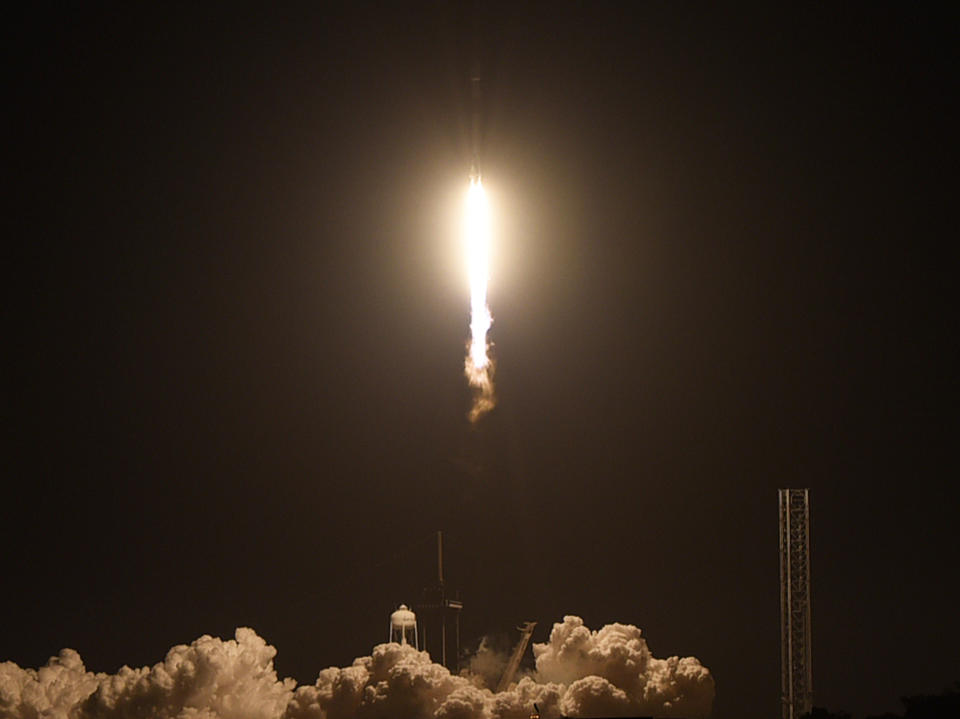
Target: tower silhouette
point(796, 677)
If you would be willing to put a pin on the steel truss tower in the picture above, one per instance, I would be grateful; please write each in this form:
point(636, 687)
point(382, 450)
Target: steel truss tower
point(796, 679)
point(441, 630)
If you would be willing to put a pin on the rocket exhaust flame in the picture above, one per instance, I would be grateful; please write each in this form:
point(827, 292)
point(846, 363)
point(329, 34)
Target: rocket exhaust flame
point(478, 366)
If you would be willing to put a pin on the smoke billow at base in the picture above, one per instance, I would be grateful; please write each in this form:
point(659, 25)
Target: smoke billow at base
point(578, 672)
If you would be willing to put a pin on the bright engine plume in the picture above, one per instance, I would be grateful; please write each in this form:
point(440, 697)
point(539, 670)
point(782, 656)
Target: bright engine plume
point(477, 239)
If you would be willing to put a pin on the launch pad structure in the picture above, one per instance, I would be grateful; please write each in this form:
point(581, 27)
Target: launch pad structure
point(441, 630)
point(796, 680)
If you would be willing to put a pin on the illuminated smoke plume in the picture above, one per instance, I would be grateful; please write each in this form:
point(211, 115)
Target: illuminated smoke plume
point(579, 672)
point(477, 238)
point(611, 671)
point(51, 691)
point(486, 665)
point(210, 678)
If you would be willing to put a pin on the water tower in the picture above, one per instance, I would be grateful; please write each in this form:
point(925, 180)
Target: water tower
point(403, 627)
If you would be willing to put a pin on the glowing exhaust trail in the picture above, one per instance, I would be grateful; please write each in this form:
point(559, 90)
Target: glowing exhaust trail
point(477, 239)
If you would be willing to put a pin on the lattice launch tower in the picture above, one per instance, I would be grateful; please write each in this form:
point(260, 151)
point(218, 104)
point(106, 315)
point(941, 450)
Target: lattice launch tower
point(796, 679)
point(440, 609)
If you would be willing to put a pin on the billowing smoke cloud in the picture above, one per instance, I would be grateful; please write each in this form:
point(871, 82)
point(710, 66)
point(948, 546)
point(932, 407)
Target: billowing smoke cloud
point(578, 673)
point(611, 672)
point(210, 678)
point(51, 691)
point(488, 663)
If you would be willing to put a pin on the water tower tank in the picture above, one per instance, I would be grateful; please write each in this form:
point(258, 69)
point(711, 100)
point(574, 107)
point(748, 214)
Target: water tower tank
point(403, 626)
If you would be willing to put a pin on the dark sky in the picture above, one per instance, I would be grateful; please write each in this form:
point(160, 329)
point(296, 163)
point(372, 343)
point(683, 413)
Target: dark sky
point(237, 319)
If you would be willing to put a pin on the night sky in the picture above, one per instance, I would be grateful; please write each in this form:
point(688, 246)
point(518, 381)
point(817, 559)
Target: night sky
point(237, 313)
